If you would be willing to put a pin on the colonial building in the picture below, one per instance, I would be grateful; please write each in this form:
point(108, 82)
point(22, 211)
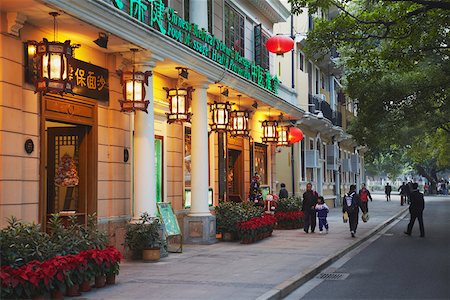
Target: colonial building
point(327, 157)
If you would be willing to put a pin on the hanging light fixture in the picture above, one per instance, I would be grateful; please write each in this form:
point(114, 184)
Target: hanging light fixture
point(133, 88)
point(283, 135)
point(279, 44)
point(220, 115)
point(52, 74)
point(239, 121)
point(270, 132)
point(179, 101)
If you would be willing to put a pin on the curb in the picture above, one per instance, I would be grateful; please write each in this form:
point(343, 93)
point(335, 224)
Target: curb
point(286, 287)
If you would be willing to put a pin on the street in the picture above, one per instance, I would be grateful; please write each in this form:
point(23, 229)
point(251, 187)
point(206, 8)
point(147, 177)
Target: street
point(392, 265)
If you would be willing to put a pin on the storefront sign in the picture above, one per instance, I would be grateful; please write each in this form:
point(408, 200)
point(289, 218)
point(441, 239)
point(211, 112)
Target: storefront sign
point(165, 20)
point(89, 80)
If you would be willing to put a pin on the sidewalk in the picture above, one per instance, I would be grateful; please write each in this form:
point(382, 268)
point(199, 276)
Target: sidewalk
point(268, 269)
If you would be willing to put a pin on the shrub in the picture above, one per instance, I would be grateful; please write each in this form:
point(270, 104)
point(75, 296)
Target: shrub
point(291, 203)
point(229, 214)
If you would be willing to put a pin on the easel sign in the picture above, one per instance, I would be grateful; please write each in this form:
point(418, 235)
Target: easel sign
point(171, 223)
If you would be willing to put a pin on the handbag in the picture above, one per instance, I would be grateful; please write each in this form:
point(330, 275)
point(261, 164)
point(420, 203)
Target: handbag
point(345, 217)
point(365, 217)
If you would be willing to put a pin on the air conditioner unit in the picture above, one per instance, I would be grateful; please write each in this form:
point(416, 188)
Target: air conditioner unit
point(346, 165)
point(322, 97)
point(312, 159)
point(354, 159)
point(332, 157)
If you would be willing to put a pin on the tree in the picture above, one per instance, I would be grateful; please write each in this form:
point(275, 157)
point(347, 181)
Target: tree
point(395, 56)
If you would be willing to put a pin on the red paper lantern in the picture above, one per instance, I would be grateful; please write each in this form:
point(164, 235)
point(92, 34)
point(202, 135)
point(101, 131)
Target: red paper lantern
point(279, 44)
point(295, 135)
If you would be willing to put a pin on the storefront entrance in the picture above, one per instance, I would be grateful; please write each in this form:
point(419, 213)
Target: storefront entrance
point(68, 158)
point(235, 175)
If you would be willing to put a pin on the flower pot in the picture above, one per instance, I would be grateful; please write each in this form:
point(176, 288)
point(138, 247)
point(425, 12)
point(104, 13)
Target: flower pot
point(57, 294)
point(110, 278)
point(151, 254)
point(228, 236)
point(73, 290)
point(100, 281)
point(85, 286)
point(39, 297)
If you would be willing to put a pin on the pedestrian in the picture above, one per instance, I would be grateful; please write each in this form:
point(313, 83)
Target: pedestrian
point(387, 191)
point(351, 205)
point(309, 208)
point(322, 213)
point(426, 189)
point(364, 196)
point(416, 210)
point(403, 193)
point(283, 194)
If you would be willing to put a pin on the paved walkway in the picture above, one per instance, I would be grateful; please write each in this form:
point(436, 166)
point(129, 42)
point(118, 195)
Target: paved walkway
point(268, 269)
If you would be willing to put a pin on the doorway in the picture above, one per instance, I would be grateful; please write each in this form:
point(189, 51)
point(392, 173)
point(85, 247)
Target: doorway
point(235, 175)
point(67, 170)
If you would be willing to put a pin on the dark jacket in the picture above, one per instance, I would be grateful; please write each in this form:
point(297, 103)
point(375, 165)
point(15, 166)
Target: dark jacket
point(417, 201)
point(283, 193)
point(404, 189)
point(355, 203)
point(309, 200)
point(387, 189)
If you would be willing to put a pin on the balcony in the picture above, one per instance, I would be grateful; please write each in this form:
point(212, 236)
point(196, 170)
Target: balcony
point(337, 118)
point(316, 103)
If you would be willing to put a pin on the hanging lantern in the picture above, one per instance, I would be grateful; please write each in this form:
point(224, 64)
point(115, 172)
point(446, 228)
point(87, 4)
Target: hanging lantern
point(270, 132)
point(179, 104)
point(220, 116)
point(295, 135)
point(133, 91)
point(283, 135)
point(239, 121)
point(279, 44)
point(52, 64)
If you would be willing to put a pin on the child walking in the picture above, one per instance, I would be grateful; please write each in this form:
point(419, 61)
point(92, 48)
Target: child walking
point(322, 212)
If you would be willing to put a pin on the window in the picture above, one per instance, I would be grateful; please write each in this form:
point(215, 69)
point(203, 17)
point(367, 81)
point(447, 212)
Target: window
point(301, 61)
point(261, 53)
point(302, 153)
point(186, 10)
point(317, 80)
point(187, 156)
point(210, 16)
point(234, 29)
point(323, 81)
point(261, 162)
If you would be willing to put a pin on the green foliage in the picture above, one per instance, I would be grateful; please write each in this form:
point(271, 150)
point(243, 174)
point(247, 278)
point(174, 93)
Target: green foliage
point(228, 214)
point(143, 234)
point(291, 203)
point(395, 58)
point(21, 243)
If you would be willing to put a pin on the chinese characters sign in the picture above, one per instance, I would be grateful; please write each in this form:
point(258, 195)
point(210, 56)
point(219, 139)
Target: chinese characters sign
point(89, 80)
point(165, 20)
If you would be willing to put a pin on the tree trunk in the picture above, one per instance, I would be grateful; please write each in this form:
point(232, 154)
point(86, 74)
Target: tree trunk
point(430, 175)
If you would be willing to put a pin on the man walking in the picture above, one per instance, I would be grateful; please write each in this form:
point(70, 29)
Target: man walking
point(404, 190)
point(387, 191)
point(310, 198)
point(416, 210)
point(351, 205)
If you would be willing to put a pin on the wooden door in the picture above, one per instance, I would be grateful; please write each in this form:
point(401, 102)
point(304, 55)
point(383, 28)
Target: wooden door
point(67, 171)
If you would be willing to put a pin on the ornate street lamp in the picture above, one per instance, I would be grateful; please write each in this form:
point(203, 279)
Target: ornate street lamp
point(133, 89)
point(220, 115)
point(270, 132)
point(52, 64)
point(179, 101)
point(279, 44)
point(239, 121)
point(283, 135)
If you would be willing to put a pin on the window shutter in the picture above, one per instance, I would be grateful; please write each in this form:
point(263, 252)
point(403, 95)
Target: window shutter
point(258, 43)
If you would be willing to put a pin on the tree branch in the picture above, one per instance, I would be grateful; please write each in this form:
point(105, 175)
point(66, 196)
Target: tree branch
point(428, 3)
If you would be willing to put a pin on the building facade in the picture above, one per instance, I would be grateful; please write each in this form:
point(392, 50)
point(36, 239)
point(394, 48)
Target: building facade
point(327, 157)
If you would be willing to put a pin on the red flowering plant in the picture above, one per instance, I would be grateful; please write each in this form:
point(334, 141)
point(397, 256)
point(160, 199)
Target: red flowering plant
point(288, 213)
point(256, 228)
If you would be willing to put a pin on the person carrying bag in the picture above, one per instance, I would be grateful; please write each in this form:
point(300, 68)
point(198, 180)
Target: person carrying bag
point(351, 205)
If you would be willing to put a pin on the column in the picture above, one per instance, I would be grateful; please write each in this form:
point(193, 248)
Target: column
point(199, 226)
point(199, 152)
point(198, 13)
point(144, 155)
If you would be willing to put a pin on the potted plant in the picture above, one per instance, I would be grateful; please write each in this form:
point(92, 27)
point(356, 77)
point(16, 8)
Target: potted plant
point(143, 238)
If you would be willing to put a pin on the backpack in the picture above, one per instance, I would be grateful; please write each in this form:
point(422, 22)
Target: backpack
point(350, 208)
point(364, 195)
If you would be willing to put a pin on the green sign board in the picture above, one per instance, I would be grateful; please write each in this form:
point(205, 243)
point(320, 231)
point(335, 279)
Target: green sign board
point(265, 190)
point(165, 19)
point(169, 219)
